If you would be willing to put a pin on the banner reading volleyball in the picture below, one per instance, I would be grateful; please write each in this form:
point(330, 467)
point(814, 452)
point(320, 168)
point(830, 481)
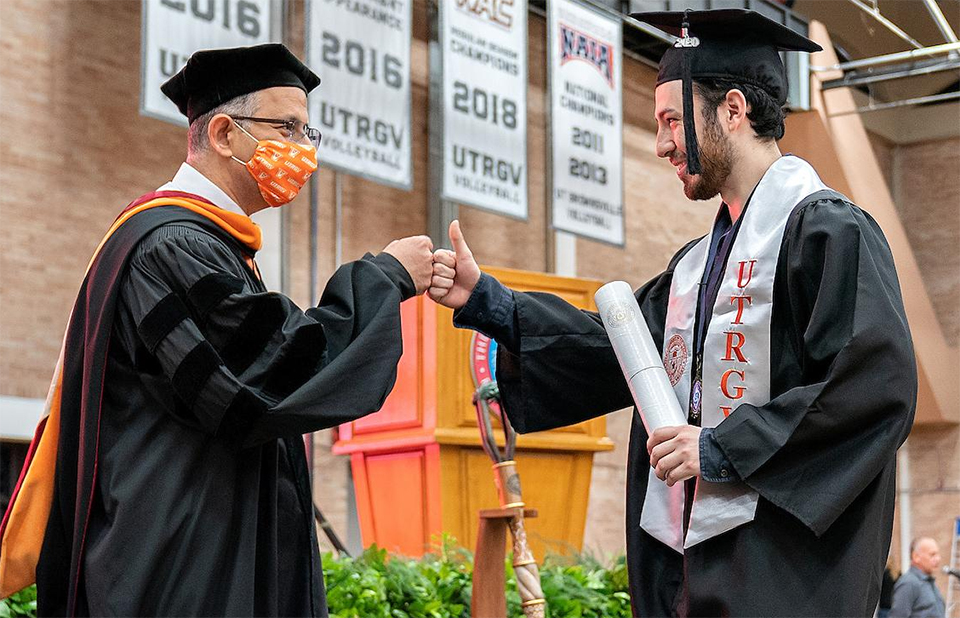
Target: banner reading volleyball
point(484, 57)
point(586, 117)
point(174, 29)
point(361, 49)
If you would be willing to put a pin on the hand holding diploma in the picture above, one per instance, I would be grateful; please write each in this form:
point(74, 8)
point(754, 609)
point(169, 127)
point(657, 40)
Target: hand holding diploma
point(673, 445)
point(675, 453)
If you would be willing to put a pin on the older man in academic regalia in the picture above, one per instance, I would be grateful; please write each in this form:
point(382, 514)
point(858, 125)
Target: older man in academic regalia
point(783, 334)
point(179, 483)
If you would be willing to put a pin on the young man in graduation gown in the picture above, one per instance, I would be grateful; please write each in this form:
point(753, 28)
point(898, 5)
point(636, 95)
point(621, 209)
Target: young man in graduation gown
point(181, 485)
point(783, 334)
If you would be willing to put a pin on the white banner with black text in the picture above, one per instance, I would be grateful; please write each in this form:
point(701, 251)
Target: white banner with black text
point(361, 50)
point(173, 29)
point(484, 56)
point(586, 120)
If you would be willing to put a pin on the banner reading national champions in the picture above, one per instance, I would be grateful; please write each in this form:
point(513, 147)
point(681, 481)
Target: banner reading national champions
point(586, 119)
point(361, 50)
point(484, 76)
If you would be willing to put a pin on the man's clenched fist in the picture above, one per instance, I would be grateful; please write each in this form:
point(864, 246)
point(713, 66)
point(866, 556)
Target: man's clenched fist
point(455, 273)
point(415, 253)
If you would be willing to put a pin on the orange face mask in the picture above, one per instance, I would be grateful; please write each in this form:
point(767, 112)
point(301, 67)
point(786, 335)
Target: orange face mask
point(280, 168)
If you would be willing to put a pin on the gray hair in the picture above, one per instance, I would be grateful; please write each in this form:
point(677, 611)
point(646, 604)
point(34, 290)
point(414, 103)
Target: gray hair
point(244, 105)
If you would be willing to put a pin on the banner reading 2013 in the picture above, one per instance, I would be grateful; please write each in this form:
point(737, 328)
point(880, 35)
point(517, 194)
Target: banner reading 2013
point(484, 46)
point(361, 50)
point(586, 112)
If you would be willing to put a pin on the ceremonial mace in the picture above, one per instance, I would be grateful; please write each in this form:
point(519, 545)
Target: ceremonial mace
point(508, 491)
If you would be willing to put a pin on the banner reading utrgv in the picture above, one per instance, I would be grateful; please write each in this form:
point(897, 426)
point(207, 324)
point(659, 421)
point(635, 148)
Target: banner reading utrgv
point(484, 58)
point(361, 50)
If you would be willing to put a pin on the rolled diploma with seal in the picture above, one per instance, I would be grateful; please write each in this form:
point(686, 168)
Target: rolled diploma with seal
point(639, 360)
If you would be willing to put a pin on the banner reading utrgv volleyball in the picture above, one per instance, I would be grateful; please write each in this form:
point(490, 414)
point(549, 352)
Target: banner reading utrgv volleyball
point(484, 58)
point(361, 50)
point(586, 120)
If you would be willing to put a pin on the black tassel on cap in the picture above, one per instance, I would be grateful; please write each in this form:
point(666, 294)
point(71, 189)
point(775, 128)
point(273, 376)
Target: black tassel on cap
point(689, 47)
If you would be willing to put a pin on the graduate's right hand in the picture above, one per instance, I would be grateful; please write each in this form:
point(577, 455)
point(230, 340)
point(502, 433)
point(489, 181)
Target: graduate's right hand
point(455, 273)
point(415, 253)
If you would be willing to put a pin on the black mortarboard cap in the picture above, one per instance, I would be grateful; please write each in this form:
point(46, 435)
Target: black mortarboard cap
point(738, 45)
point(212, 77)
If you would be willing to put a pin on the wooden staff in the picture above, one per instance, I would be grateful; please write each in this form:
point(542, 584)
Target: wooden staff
point(508, 492)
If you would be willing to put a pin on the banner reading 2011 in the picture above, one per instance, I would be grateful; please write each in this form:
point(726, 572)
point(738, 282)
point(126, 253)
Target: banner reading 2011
point(586, 135)
point(484, 47)
point(361, 50)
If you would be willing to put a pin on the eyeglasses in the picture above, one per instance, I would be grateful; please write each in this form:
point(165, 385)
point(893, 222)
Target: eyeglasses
point(291, 127)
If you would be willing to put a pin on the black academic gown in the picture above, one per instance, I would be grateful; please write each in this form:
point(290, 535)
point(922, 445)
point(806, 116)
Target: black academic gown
point(821, 453)
point(200, 502)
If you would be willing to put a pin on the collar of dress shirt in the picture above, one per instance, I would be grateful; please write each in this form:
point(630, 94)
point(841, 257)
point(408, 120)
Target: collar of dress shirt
point(189, 180)
point(920, 574)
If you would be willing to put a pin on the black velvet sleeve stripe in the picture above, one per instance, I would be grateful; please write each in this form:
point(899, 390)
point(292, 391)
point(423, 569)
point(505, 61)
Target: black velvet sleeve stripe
point(160, 320)
point(210, 291)
point(242, 412)
point(194, 371)
point(265, 318)
point(302, 355)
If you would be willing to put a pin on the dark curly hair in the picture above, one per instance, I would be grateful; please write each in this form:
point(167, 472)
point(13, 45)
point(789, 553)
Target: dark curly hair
point(765, 115)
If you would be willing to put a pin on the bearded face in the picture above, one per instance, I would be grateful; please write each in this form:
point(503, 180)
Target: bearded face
point(717, 154)
point(716, 160)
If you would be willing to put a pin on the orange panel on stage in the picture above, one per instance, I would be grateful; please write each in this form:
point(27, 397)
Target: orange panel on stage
point(397, 489)
point(397, 411)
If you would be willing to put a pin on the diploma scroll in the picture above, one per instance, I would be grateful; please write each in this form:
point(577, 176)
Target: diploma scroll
point(639, 360)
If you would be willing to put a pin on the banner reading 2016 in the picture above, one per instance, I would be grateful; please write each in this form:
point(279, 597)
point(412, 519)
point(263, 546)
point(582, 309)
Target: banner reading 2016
point(586, 134)
point(484, 45)
point(174, 29)
point(361, 50)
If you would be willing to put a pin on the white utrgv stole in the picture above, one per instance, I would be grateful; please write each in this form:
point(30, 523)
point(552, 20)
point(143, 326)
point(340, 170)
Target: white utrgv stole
point(736, 360)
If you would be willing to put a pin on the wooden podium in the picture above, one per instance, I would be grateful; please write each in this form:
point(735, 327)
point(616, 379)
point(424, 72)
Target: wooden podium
point(417, 465)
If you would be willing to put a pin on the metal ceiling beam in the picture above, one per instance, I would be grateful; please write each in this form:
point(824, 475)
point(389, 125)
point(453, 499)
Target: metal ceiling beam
point(874, 12)
point(912, 54)
point(895, 72)
point(941, 21)
point(934, 98)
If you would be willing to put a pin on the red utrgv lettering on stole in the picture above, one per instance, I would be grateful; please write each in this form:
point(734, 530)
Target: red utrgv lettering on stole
point(743, 264)
point(725, 386)
point(736, 340)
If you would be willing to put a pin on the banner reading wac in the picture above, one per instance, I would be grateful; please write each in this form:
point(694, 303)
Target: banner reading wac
point(361, 50)
point(173, 29)
point(484, 57)
point(586, 116)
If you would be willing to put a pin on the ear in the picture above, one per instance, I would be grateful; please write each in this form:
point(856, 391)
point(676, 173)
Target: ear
point(220, 136)
point(734, 109)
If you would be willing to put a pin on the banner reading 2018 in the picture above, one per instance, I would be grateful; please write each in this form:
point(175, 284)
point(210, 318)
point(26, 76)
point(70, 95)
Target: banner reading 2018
point(586, 135)
point(484, 45)
point(361, 50)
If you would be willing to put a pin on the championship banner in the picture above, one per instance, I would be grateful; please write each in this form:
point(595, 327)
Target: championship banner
point(484, 58)
point(586, 118)
point(173, 29)
point(361, 50)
